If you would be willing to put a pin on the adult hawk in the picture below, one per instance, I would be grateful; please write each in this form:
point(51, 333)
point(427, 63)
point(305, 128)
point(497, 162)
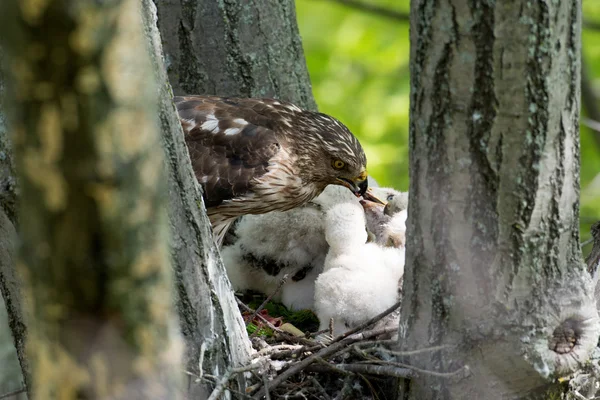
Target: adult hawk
point(252, 156)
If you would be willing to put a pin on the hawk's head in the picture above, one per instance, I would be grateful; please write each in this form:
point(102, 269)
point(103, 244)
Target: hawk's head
point(328, 153)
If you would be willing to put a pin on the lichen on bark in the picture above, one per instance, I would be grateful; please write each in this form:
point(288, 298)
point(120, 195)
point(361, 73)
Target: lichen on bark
point(493, 246)
point(93, 240)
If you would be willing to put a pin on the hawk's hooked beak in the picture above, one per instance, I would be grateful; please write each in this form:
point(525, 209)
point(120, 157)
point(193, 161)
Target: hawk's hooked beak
point(360, 187)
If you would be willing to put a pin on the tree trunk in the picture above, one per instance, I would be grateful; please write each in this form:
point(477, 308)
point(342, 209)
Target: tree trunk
point(92, 218)
point(9, 283)
point(235, 48)
point(494, 267)
point(229, 48)
point(214, 331)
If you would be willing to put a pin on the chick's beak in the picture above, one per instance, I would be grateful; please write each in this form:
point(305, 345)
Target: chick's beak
point(368, 195)
point(360, 187)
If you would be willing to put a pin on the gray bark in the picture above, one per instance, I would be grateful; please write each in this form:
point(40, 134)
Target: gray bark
point(494, 267)
point(235, 48)
point(214, 331)
point(9, 283)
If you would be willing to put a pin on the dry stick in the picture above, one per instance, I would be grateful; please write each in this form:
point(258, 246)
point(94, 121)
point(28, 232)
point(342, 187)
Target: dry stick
point(590, 240)
point(213, 380)
point(321, 389)
point(422, 371)
point(264, 303)
point(375, 10)
point(228, 375)
point(331, 349)
point(404, 353)
point(274, 349)
point(266, 385)
point(13, 393)
point(372, 369)
point(370, 322)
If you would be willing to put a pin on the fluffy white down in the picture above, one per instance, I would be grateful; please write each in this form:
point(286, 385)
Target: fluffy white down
point(294, 239)
point(360, 280)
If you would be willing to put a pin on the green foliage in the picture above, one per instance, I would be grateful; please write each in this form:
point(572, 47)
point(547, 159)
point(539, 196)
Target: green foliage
point(358, 63)
point(305, 320)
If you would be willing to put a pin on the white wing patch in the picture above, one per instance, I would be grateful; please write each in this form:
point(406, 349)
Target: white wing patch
point(211, 124)
point(232, 131)
point(240, 121)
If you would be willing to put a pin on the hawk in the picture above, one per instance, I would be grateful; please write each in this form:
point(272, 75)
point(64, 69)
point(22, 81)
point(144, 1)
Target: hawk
point(253, 156)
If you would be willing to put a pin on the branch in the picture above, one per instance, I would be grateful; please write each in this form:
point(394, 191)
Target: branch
point(370, 322)
point(591, 25)
point(230, 374)
point(374, 9)
point(13, 393)
point(325, 352)
point(593, 258)
point(590, 103)
point(384, 370)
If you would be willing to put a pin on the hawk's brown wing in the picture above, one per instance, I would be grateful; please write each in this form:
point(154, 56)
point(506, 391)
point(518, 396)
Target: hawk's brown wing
point(230, 144)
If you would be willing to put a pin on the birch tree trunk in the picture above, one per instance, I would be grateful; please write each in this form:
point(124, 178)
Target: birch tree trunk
point(494, 267)
point(235, 48)
point(92, 218)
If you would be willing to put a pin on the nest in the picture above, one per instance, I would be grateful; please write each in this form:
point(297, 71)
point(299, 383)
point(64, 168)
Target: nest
point(290, 364)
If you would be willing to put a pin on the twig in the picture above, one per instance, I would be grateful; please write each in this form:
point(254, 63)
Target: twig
point(331, 332)
point(370, 322)
point(266, 385)
point(372, 369)
point(273, 349)
point(375, 10)
point(331, 349)
point(578, 395)
point(321, 389)
point(404, 353)
point(13, 393)
point(591, 25)
point(585, 243)
point(228, 375)
point(589, 102)
point(213, 380)
point(346, 389)
point(422, 371)
point(287, 336)
point(269, 297)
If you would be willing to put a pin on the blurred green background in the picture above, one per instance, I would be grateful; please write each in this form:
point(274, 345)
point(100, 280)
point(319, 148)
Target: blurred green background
point(358, 63)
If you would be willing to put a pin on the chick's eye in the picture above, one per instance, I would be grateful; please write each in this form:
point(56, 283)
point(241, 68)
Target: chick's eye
point(338, 164)
point(390, 197)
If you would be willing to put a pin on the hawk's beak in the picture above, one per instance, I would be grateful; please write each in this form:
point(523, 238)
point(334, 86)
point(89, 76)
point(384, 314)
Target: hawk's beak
point(358, 185)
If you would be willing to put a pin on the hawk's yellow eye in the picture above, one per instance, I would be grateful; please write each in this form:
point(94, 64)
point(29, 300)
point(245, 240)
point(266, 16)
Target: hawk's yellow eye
point(338, 164)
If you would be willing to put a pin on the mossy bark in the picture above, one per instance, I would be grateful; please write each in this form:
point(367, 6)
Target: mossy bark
point(214, 332)
point(235, 48)
point(9, 281)
point(228, 48)
point(493, 257)
point(92, 217)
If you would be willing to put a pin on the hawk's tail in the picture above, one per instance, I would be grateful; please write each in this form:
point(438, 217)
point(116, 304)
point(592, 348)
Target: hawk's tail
point(220, 226)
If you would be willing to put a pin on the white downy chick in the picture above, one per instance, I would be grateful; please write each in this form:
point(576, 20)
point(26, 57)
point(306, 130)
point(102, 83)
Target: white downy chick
point(386, 227)
point(360, 280)
point(268, 246)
